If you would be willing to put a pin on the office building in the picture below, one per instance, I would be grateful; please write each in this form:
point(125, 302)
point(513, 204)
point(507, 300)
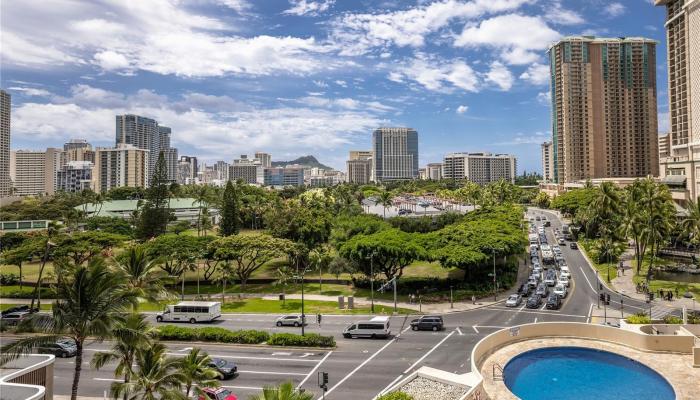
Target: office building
point(360, 155)
point(322, 178)
point(248, 170)
point(124, 165)
point(264, 158)
point(547, 162)
point(78, 150)
point(5, 183)
point(604, 117)
point(283, 176)
point(145, 133)
point(664, 146)
point(433, 171)
point(359, 171)
point(187, 170)
point(74, 176)
point(481, 168)
point(222, 169)
point(681, 168)
point(395, 153)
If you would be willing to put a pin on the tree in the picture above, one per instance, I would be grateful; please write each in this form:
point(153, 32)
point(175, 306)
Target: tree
point(608, 250)
point(51, 232)
point(230, 211)
point(18, 255)
point(205, 223)
point(155, 214)
point(82, 246)
point(604, 210)
point(542, 200)
point(387, 252)
point(386, 199)
point(196, 371)
point(284, 391)
point(690, 223)
point(202, 197)
point(338, 266)
point(141, 274)
point(156, 376)
point(90, 301)
point(248, 253)
point(114, 225)
point(130, 335)
point(179, 227)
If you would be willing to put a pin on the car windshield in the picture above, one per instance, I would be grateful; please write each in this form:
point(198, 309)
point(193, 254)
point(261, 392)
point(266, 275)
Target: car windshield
point(513, 297)
point(222, 395)
point(219, 362)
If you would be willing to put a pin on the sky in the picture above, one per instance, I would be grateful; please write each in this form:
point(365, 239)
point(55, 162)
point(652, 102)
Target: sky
point(298, 77)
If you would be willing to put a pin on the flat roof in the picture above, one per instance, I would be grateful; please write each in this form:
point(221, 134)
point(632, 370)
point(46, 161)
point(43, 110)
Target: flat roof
point(197, 303)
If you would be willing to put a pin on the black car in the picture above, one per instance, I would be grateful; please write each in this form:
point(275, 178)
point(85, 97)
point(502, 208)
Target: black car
point(226, 368)
point(542, 290)
point(427, 322)
point(553, 302)
point(573, 246)
point(16, 309)
point(533, 301)
point(524, 290)
point(62, 348)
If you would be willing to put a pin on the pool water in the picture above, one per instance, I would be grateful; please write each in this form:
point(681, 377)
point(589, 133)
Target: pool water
point(577, 373)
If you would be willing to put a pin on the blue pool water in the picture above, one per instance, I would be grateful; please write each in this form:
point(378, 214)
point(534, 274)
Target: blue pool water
point(577, 373)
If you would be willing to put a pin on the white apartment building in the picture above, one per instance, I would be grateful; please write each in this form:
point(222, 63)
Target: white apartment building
point(547, 162)
point(124, 165)
point(481, 168)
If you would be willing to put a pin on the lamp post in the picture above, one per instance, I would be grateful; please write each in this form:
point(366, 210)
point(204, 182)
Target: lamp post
point(494, 274)
point(371, 281)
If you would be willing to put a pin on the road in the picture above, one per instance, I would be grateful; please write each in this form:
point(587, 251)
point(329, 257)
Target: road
point(362, 368)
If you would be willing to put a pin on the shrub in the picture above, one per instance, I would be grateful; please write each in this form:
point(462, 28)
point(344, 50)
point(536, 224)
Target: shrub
point(395, 396)
point(672, 319)
point(9, 279)
point(171, 332)
point(640, 318)
point(310, 340)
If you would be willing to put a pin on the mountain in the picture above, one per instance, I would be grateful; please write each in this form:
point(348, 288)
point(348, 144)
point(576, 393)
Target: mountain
point(309, 161)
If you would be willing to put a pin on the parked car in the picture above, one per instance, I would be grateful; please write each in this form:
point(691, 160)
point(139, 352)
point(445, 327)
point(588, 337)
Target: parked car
point(533, 301)
point(553, 302)
point(428, 322)
point(514, 300)
point(560, 290)
point(290, 320)
point(573, 246)
point(542, 290)
point(547, 223)
point(226, 368)
point(62, 348)
point(537, 218)
point(14, 318)
point(216, 394)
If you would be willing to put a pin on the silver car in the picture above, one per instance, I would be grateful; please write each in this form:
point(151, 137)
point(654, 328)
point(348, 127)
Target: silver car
point(514, 300)
point(290, 320)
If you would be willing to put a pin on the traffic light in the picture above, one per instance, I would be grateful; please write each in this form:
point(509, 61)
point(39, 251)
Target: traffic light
point(607, 299)
point(601, 296)
point(324, 378)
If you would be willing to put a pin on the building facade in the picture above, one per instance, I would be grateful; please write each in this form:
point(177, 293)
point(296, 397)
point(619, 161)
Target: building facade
point(283, 176)
point(124, 165)
point(145, 133)
point(604, 116)
point(359, 171)
point(395, 152)
point(264, 158)
point(433, 171)
point(78, 150)
point(28, 172)
point(481, 168)
point(664, 146)
point(547, 161)
point(681, 167)
point(187, 170)
point(74, 176)
point(5, 107)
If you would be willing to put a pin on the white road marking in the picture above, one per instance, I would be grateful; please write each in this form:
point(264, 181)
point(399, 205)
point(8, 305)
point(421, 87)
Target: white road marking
point(360, 366)
point(271, 373)
point(521, 308)
point(535, 320)
point(587, 281)
point(550, 312)
point(398, 378)
point(281, 354)
point(475, 330)
point(242, 387)
point(314, 369)
point(306, 355)
point(428, 353)
point(253, 358)
point(492, 326)
point(590, 312)
point(460, 332)
point(107, 379)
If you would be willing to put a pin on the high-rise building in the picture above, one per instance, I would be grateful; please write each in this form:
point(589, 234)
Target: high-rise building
point(395, 153)
point(433, 171)
point(187, 170)
point(28, 172)
point(664, 146)
point(74, 176)
point(222, 169)
point(359, 171)
point(124, 165)
point(264, 158)
point(55, 159)
point(360, 155)
point(145, 133)
point(604, 118)
point(481, 168)
point(681, 168)
point(283, 176)
point(78, 150)
point(547, 162)
point(5, 183)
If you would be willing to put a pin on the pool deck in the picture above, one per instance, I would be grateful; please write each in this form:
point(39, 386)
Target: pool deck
point(676, 368)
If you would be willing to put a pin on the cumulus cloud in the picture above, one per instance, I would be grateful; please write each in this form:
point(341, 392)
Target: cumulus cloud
point(615, 9)
point(309, 8)
point(544, 98)
point(461, 109)
point(29, 91)
point(500, 75)
point(436, 75)
point(557, 14)
point(537, 74)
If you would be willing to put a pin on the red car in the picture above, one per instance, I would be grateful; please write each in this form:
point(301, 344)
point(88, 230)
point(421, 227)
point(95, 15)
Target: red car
point(217, 394)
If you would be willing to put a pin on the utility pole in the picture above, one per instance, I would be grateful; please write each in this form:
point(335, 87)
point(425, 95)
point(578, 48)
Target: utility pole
point(452, 304)
point(494, 274)
point(395, 309)
point(371, 281)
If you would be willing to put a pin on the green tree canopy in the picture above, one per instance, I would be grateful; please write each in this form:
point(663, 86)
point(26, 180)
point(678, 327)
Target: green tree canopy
point(82, 246)
point(230, 211)
point(248, 253)
point(389, 251)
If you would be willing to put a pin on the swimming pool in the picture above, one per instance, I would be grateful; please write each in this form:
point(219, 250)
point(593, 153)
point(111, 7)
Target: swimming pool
point(579, 373)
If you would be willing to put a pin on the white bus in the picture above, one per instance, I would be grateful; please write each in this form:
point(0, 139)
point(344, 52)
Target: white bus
point(190, 311)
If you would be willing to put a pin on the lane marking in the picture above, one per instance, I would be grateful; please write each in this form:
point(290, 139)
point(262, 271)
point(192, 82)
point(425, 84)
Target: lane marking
point(254, 358)
point(314, 369)
point(492, 326)
point(242, 387)
point(460, 332)
point(108, 379)
point(398, 378)
point(428, 353)
point(475, 330)
point(590, 313)
point(550, 312)
point(272, 373)
point(360, 366)
point(535, 320)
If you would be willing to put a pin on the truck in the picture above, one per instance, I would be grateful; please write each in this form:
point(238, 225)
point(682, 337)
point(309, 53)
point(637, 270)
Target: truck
point(547, 254)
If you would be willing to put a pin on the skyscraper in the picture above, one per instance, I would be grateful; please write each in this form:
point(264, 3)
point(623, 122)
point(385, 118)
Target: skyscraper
point(187, 170)
point(5, 183)
point(359, 167)
point(547, 162)
point(78, 150)
point(146, 134)
point(681, 166)
point(124, 165)
point(264, 158)
point(395, 154)
point(604, 118)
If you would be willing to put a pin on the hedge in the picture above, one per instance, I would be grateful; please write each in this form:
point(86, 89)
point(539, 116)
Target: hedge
point(640, 318)
point(223, 335)
point(396, 396)
point(309, 340)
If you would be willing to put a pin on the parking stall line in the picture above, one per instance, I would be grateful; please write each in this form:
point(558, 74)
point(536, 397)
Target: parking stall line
point(242, 387)
point(314, 369)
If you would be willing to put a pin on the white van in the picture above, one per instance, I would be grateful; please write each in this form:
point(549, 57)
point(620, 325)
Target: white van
point(377, 327)
point(190, 311)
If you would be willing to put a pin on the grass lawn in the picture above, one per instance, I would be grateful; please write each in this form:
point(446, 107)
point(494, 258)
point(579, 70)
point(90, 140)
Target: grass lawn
point(44, 306)
point(309, 288)
point(603, 269)
point(656, 284)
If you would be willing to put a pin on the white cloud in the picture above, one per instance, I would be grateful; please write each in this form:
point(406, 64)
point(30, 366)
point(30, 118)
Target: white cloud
point(30, 91)
point(461, 109)
point(359, 33)
point(522, 139)
point(544, 98)
point(436, 75)
point(159, 36)
point(309, 8)
point(615, 9)
point(518, 37)
point(341, 82)
point(240, 6)
point(557, 14)
point(320, 84)
point(537, 74)
point(500, 75)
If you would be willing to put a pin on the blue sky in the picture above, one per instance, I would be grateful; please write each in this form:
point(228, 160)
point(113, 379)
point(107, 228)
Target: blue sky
point(297, 77)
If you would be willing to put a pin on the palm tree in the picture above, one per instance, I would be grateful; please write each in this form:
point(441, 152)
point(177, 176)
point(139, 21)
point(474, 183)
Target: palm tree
point(386, 199)
point(284, 391)
point(690, 224)
point(142, 274)
point(656, 201)
point(608, 250)
point(196, 371)
point(129, 336)
point(156, 377)
point(201, 197)
point(605, 207)
point(90, 301)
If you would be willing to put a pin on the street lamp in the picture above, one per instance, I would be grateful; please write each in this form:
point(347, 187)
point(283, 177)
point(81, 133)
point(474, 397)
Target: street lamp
point(371, 281)
point(494, 274)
